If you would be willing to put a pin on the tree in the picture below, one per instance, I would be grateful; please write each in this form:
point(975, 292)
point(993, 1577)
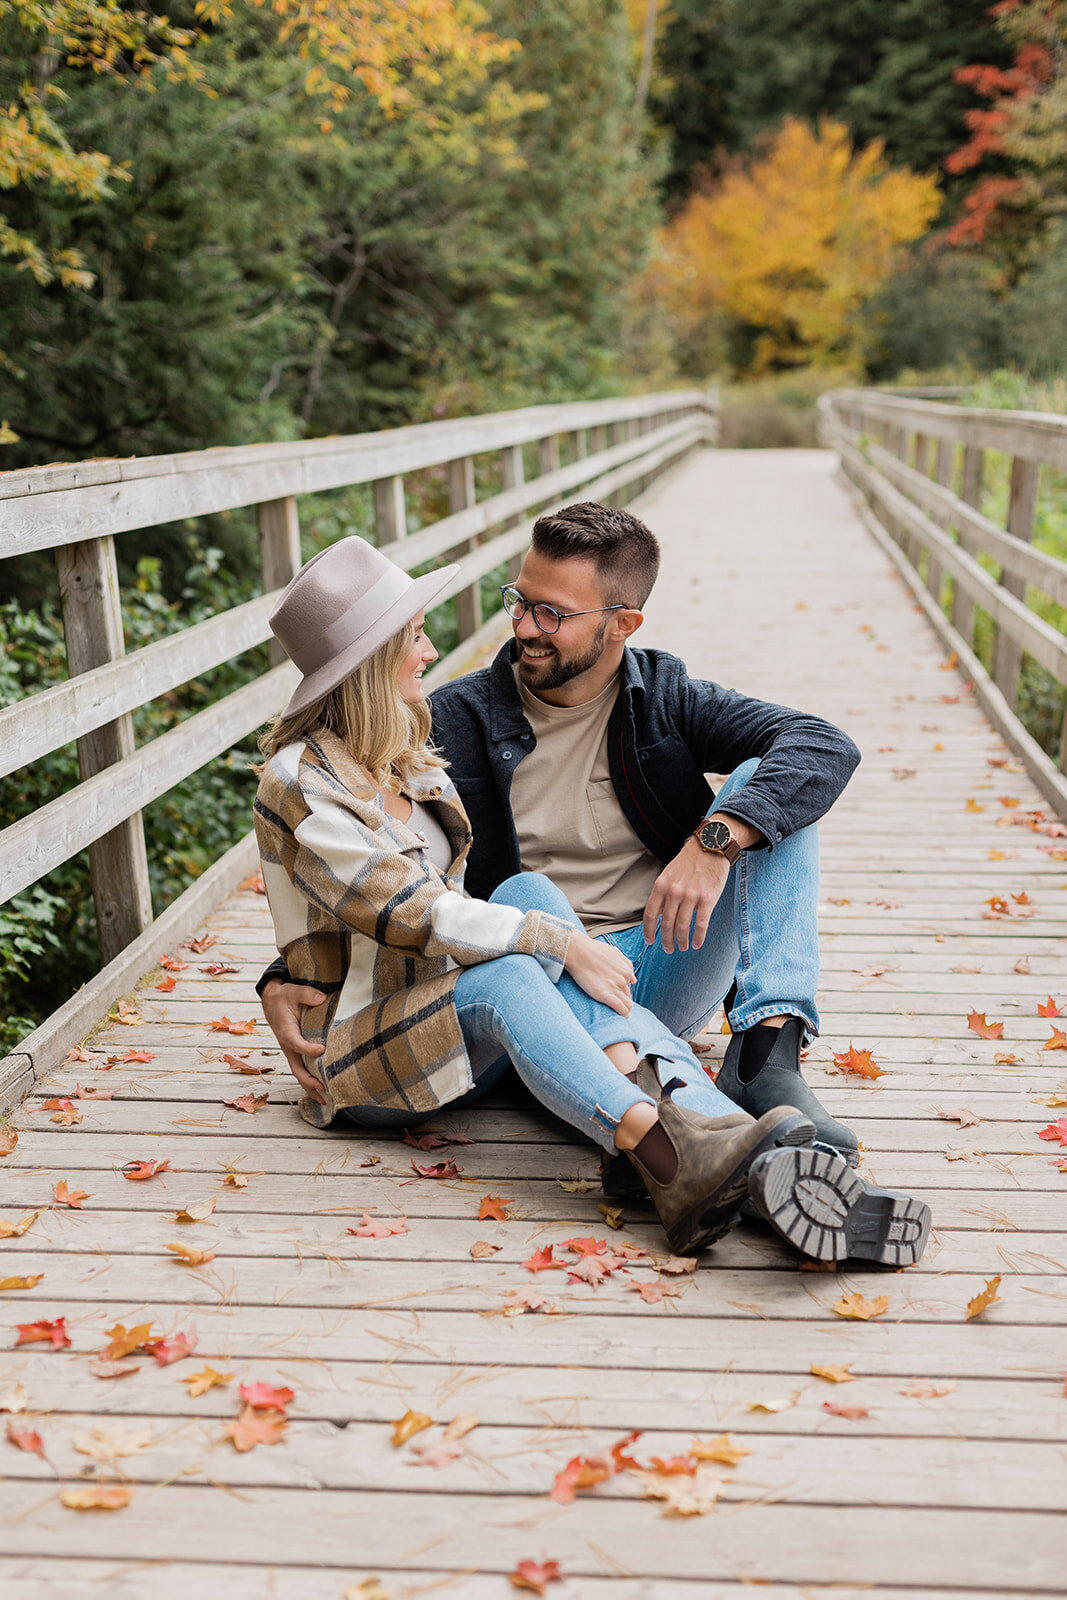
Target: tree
point(790, 243)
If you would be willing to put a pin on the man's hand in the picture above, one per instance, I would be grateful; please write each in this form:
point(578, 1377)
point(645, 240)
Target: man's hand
point(283, 1006)
point(688, 889)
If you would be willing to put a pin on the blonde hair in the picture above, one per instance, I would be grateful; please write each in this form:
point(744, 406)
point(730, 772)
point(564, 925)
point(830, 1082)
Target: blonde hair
point(389, 737)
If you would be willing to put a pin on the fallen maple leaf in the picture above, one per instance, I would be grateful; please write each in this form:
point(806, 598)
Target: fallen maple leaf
point(612, 1215)
point(97, 1497)
point(586, 1247)
point(128, 1015)
point(8, 1140)
point(449, 1447)
point(254, 883)
point(175, 1348)
point(976, 1021)
point(217, 968)
point(77, 1053)
point(123, 1341)
point(860, 1308)
point(1058, 1040)
point(26, 1439)
point(247, 1102)
point(87, 1092)
point(1022, 965)
point(653, 1293)
point(926, 1389)
point(204, 942)
point(973, 805)
point(577, 1185)
point(198, 1213)
point(66, 1119)
point(872, 972)
point(954, 1152)
point(442, 1169)
point(590, 1269)
point(57, 1104)
point(676, 1263)
point(235, 1180)
point(721, 1449)
point(166, 984)
point(112, 1369)
point(493, 1208)
point(22, 1283)
point(106, 1442)
point(852, 1413)
point(264, 1397)
point(172, 964)
point(14, 1399)
point(1007, 1059)
point(481, 1250)
point(407, 1426)
point(207, 1378)
point(379, 1227)
point(239, 1063)
point(965, 1118)
point(1056, 1132)
point(861, 1062)
point(426, 1141)
point(774, 1406)
point(75, 1198)
point(985, 1298)
point(833, 1374)
point(138, 1171)
point(581, 1472)
point(254, 1427)
point(1049, 1009)
point(224, 1025)
point(190, 1257)
point(139, 1055)
point(533, 1576)
point(53, 1333)
point(15, 1230)
point(518, 1301)
point(542, 1260)
point(683, 1496)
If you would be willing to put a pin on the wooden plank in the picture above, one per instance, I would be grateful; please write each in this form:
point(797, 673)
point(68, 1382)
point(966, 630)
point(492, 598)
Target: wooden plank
point(1007, 647)
point(390, 511)
point(461, 494)
point(92, 631)
point(1033, 435)
point(278, 522)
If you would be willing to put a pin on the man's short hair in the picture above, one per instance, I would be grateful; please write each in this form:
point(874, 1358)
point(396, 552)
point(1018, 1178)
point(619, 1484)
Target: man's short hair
point(626, 553)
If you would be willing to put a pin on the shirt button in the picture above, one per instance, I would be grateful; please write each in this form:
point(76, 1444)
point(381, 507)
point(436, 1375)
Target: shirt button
point(644, 755)
point(506, 754)
point(778, 838)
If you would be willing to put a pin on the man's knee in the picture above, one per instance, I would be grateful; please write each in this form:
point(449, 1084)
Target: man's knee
point(740, 775)
point(527, 891)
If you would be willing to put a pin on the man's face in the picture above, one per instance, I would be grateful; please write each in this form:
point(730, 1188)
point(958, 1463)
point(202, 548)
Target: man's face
point(549, 660)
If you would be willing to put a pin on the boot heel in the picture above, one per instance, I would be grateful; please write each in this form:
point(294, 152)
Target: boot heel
point(820, 1207)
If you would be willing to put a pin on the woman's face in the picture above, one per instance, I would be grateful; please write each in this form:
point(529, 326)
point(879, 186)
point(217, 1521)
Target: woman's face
point(414, 664)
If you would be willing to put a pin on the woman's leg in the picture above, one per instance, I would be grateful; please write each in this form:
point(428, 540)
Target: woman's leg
point(648, 1035)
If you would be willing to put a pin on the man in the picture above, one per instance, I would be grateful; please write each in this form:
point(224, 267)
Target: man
point(582, 758)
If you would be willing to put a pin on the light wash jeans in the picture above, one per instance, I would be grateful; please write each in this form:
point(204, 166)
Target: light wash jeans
point(763, 935)
point(511, 1013)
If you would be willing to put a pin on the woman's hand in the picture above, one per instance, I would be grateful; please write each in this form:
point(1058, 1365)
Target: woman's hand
point(602, 971)
point(283, 1006)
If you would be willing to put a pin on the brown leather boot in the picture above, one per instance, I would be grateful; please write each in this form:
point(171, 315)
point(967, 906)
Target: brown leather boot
point(701, 1201)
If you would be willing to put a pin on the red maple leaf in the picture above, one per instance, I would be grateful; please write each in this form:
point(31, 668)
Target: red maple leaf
point(976, 1021)
point(172, 964)
point(138, 1171)
point(173, 1349)
point(26, 1439)
point(442, 1169)
point(54, 1333)
point(205, 941)
point(224, 1025)
point(532, 1576)
point(263, 1396)
point(139, 1055)
point(1049, 1009)
point(167, 984)
point(493, 1209)
point(585, 1247)
point(541, 1260)
point(379, 1227)
point(217, 968)
point(1058, 1041)
point(1056, 1132)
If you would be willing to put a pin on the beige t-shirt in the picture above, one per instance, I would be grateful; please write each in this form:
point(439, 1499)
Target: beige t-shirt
point(569, 823)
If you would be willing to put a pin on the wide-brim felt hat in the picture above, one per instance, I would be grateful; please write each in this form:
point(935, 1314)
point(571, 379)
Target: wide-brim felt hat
point(342, 606)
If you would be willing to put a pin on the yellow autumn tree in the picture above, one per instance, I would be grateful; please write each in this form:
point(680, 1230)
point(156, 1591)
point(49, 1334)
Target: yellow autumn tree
point(788, 244)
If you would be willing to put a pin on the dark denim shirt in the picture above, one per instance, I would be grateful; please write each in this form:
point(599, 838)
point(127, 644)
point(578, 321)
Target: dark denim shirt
point(666, 731)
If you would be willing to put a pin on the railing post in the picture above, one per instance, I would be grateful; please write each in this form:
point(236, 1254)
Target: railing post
point(390, 513)
point(461, 495)
point(548, 454)
point(513, 475)
point(279, 551)
point(1022, 503)
point(92, 626)
point(579, 443)
point(971, 492)
point(944, 472)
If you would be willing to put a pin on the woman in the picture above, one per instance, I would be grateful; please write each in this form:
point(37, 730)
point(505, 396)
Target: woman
point(431, 994)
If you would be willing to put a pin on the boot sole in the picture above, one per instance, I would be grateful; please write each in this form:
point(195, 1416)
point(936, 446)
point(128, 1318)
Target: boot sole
point(717, 1212)
point(825, 1211)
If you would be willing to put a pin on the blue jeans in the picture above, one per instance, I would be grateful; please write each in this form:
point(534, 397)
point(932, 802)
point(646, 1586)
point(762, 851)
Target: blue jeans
point(554, 1034)
point(763, 935)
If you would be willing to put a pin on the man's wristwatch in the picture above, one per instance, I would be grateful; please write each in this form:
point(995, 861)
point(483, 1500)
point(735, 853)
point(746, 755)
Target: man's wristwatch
point(715, 837)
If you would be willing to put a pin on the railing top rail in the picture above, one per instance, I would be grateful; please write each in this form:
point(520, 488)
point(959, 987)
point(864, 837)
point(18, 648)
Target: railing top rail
point(1034, 435)
point(41, 507)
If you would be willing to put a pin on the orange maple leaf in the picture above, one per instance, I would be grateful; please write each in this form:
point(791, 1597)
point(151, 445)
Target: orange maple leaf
point(53, 1333)
point(853, 1413)
point(69, 1197)
point(976, 1021)
point(986, 1297)
point(860, 1062)
point(1049, 1009)
point(860, 1308)
point(172, 964)
point(224, 1025)
point(1058, 1041)
point(167, 984)
point(124, 1341)
point(189, 1256)
point(493, 1209)
point(97, 1497)
point(247, 1102)
point(139, 1055)
point(541, 1260)
point(254, 1427)
point(138, 1171)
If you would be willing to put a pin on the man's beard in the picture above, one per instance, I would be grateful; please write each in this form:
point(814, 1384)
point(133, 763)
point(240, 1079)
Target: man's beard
point(557, 670)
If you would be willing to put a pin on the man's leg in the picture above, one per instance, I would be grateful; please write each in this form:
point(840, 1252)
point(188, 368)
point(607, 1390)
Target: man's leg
point(763, 938)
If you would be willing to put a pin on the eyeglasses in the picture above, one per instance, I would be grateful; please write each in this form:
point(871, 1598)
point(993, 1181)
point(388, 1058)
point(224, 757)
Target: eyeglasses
point(546, 618)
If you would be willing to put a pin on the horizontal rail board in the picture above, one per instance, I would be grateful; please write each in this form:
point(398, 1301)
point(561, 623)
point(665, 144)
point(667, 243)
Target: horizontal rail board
point(48, 506)
point(1033, 435)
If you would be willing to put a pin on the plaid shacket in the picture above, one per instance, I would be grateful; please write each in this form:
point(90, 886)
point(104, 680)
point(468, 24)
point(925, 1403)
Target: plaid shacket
point(362, 914)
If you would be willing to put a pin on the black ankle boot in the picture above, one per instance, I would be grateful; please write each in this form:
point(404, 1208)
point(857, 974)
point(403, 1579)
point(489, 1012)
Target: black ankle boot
point(779, 1082)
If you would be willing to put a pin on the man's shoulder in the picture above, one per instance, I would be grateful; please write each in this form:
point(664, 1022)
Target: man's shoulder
point(471, 690)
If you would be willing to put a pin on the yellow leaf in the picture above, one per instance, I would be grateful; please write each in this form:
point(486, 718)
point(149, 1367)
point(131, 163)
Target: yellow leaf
point(721, 1449)
point(860, 1308)
point(207, 1378)
point(407, 1426)
point(21, 1283)
point(833, 1374)
point(985, 1298)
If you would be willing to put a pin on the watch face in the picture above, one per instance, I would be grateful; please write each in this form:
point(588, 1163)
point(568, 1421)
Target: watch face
point(716, 836)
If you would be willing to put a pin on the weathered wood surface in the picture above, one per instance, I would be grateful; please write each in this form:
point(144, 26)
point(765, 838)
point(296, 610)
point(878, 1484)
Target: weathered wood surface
point(961, 1493)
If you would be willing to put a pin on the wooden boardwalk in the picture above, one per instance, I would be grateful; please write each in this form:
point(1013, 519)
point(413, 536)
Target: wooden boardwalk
point(923, 1493)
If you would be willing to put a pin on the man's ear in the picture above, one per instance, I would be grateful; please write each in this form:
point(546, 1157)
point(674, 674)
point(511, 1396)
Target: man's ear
point(624, 623)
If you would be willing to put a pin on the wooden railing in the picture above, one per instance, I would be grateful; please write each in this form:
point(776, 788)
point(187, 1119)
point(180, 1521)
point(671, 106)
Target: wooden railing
point(919, 465)
point(614, 449)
